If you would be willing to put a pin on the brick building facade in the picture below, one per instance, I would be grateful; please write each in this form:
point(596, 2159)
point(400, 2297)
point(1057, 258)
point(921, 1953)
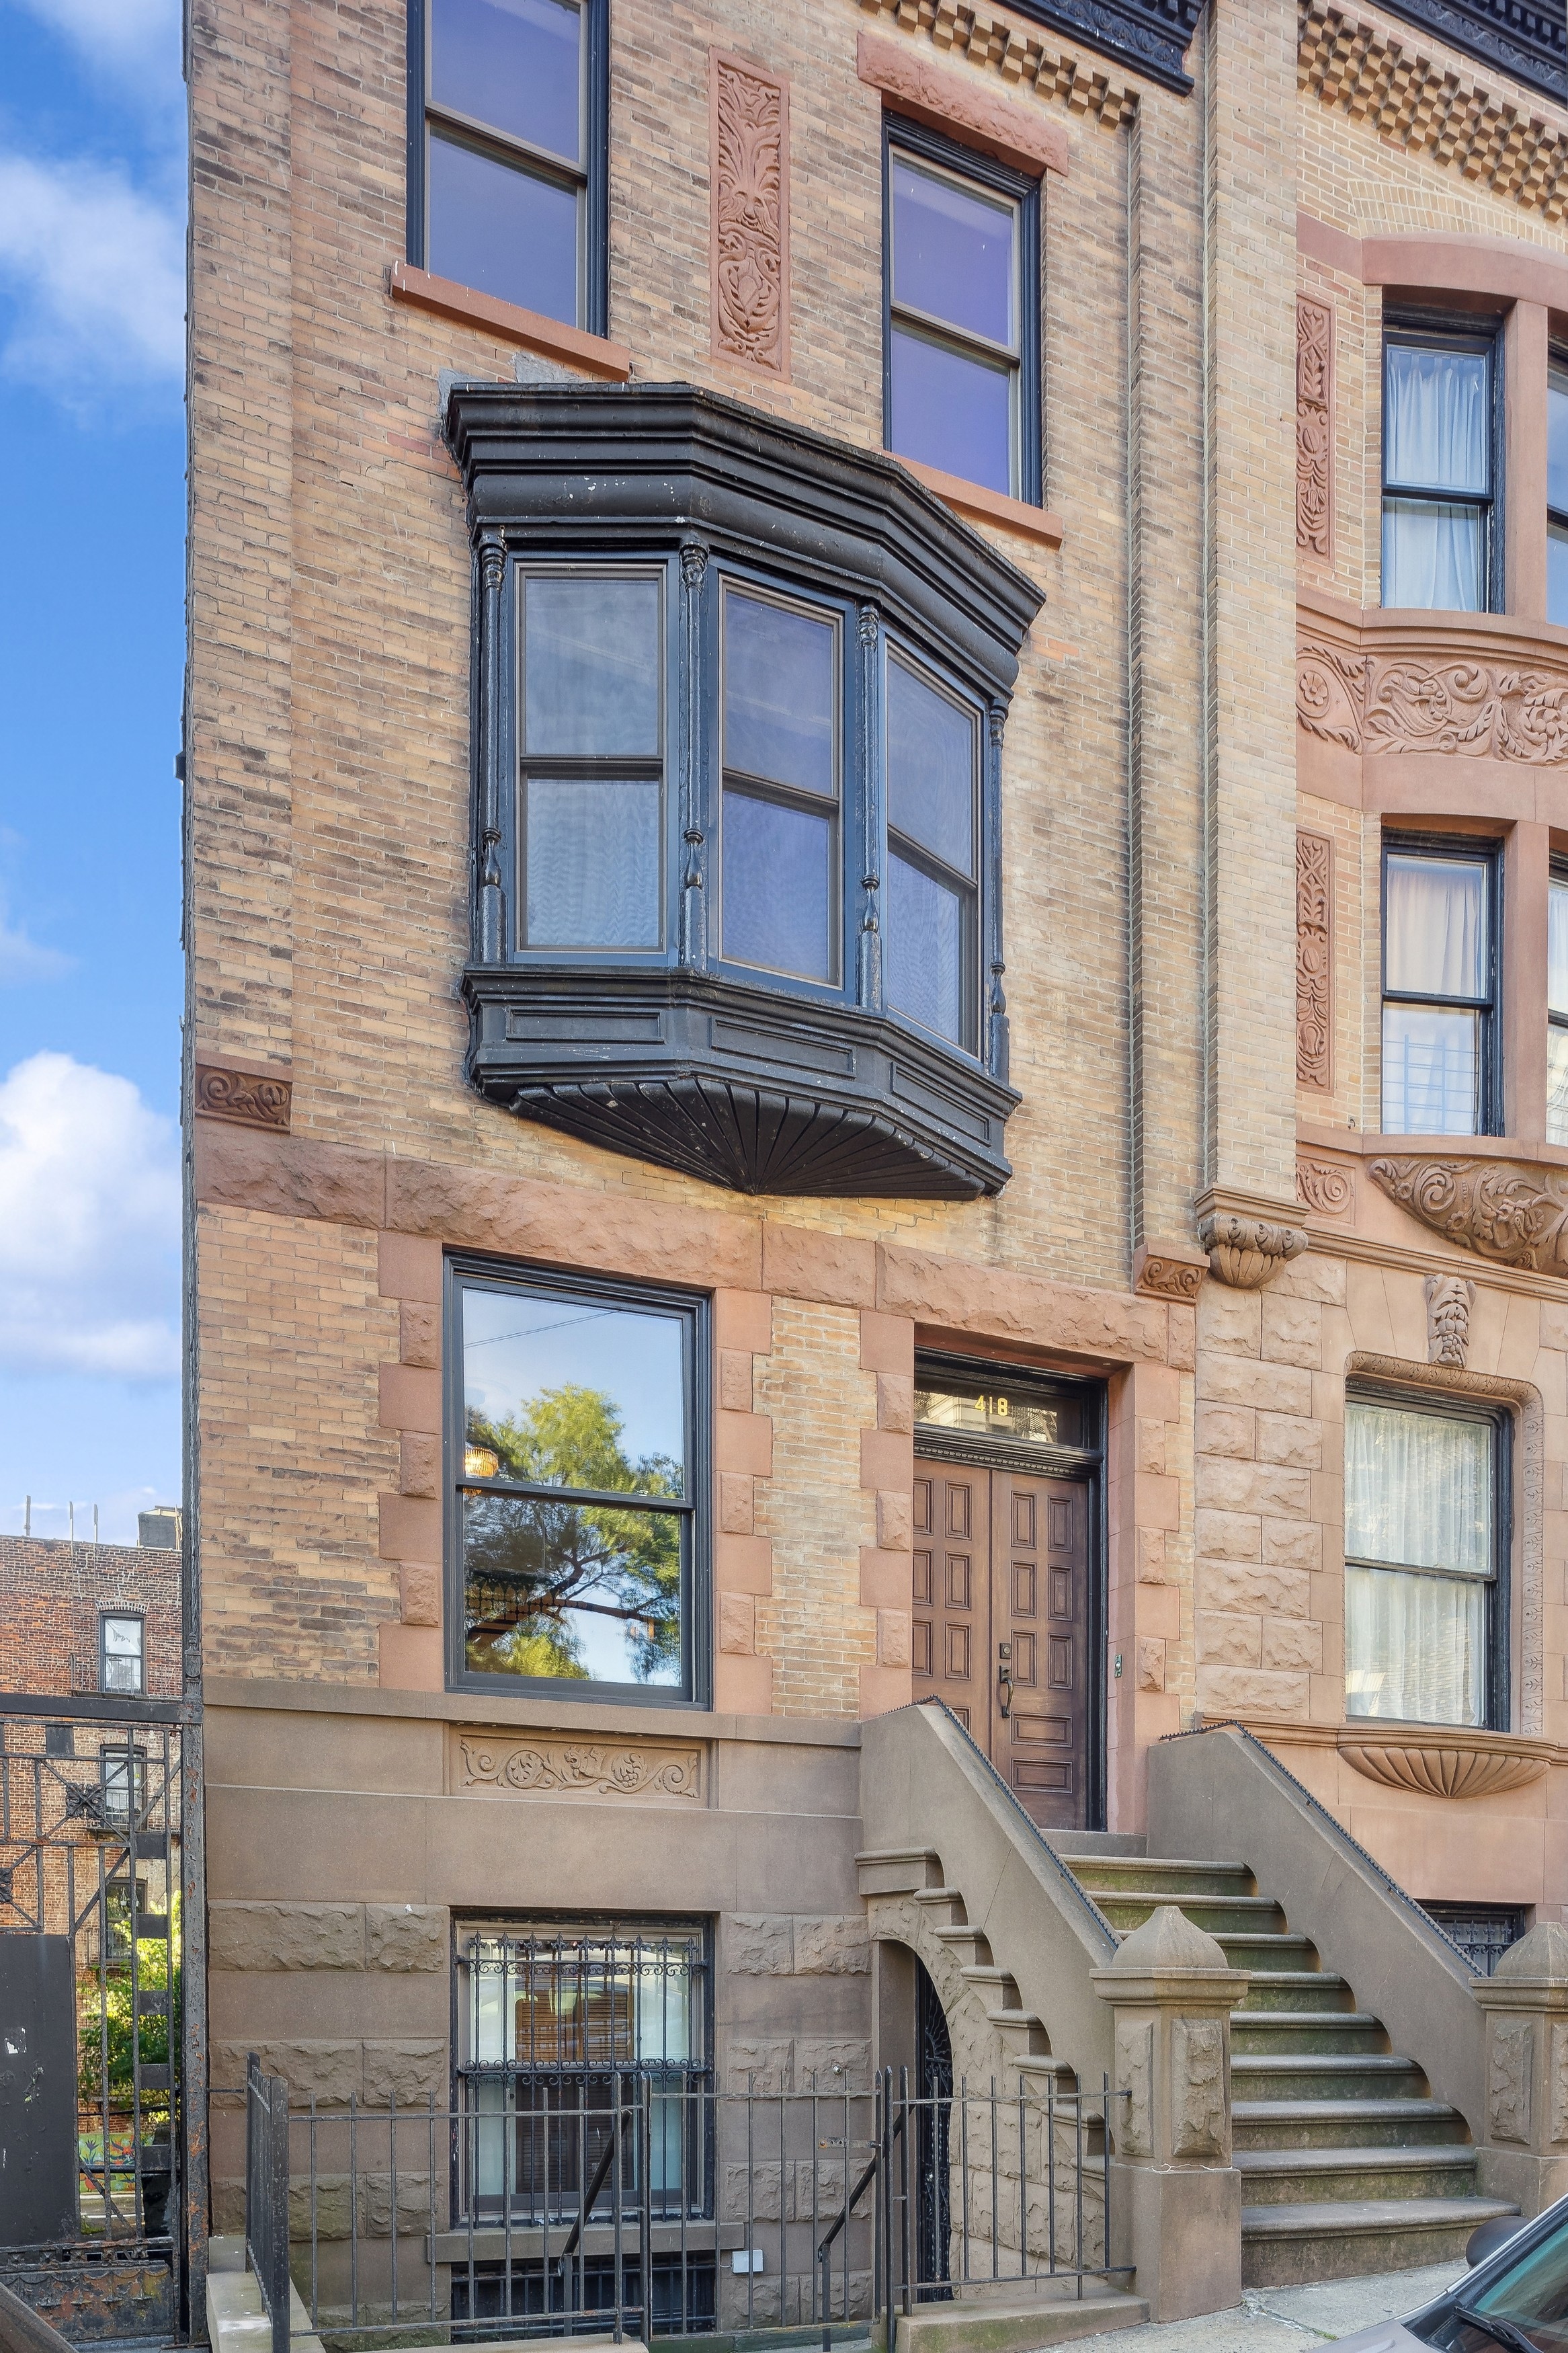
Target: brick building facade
point(991, 1280)
point(55, 1598)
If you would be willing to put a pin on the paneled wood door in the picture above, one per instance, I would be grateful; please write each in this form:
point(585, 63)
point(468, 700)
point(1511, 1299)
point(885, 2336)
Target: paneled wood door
point(1002, 1624)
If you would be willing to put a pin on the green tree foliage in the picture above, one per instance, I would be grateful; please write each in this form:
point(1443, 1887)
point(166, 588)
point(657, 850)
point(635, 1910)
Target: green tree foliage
point(530, 1561)
point(106, 2017)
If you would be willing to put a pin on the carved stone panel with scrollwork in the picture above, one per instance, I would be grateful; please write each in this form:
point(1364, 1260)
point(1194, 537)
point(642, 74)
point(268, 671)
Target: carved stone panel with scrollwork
point(1507, 1210)
point(1325, 1187)
point(1314, 425)
point(750, 261)
point(250, 1098)
point(542, 1764)
point(1314, 960)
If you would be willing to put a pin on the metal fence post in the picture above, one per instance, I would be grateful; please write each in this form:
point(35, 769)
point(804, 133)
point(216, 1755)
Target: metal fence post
point(266, 2193)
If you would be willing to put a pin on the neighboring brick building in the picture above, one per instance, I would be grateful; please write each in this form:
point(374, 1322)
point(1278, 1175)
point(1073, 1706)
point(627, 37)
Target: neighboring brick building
point(803, 1092)
point(80, 1618)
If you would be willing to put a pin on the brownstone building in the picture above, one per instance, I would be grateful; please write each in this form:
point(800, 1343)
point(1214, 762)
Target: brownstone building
point(877, 990)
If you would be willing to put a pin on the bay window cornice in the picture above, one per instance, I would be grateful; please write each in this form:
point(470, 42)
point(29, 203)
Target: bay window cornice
point(773, 959)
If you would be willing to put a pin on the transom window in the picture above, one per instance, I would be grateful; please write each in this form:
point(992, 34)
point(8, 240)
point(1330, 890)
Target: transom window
point(122, 1666)
point(1423, 1620)
point(1437, 433)
point(1439, 1002)
point(574, 1448)
point(962, 312)
point(512, 143)
point(1557, 494)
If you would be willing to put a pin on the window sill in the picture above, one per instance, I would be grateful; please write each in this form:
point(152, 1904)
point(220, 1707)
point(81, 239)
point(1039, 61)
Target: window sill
point(509, 321)
point(977, 504)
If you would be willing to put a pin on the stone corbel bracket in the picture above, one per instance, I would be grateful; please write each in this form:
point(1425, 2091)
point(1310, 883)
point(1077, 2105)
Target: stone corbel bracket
point(1247, 1252)
point(1509, 1211)
point(1435, 1763)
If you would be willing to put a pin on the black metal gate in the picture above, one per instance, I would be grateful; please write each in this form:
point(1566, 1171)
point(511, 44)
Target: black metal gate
point(90, 1986)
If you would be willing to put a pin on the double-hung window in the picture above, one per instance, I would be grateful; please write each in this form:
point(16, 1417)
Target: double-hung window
point(1440, 989)
point(507, 185)
point(1438, 430)
point(933, 774)
point(963, 278)
point(1557, 1009)
point(1557, 493)
point(575, 1451)
point(782, 738)
point(122, 1666)
point(1424, 1626)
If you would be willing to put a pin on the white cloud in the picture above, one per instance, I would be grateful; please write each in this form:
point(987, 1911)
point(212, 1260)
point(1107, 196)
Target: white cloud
point(90, 1224)
point(98, 271)
point(139, 37)
point(22, 959)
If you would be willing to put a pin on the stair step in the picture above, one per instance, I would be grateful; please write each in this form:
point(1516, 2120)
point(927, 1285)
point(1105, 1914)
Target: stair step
point(1314, 1990)
point(937, 1896)
point(1216, 1916)
point(1257, 1950)
point(1291, 2175)
point(1265, 2125)
point(1143, 1874)
point(1344, 2239)
point(1261, 2032)
point(1330, 2075)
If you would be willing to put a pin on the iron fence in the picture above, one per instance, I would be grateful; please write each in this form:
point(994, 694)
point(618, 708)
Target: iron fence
point(266, 2193)
point(645, 2205)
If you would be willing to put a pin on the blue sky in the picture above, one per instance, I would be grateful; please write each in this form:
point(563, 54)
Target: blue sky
point(92, 524)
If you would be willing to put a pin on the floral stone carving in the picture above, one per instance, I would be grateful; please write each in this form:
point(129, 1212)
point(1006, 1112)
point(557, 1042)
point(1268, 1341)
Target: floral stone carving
point(1449, 1299)
point(243, 1096)
point(1324, 1186)
point(1506, 1210)
point(590, 1769)
point(750, 215)
point(1247, 1252)
point(1444, 1763)
point(1314, 959)
point(1314, 425)
point(1378, 703)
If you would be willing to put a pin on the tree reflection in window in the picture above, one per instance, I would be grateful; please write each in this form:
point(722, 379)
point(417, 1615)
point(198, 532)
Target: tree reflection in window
point(572, 1494)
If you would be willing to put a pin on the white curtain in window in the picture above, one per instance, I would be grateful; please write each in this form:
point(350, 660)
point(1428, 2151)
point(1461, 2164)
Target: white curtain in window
point(1419, 1488)
point(1436, 927)
point(1435, 422)
point(1415, 1647)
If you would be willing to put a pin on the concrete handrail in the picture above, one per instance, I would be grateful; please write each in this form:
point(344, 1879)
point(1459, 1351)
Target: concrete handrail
point(923, 1783)
point(1217, 1795)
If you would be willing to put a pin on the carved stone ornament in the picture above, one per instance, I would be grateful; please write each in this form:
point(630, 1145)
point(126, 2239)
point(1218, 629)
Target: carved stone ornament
point(1168, 1271)
point(1449, 1299)
point(245, 1096)
point(1325, 1187)
point(1505, 1210)
point(1314, 425)
point(544, 1767)
point(1247, 1252)
point(1442, 1763)
point(750, 215)
point(1378, 703)
point(1314, 960)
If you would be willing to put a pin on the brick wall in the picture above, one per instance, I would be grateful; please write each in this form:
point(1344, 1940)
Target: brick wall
point(51, 1596)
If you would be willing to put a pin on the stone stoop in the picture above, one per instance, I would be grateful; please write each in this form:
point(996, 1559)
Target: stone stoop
point(1055, 2316)
point(1348, 2164)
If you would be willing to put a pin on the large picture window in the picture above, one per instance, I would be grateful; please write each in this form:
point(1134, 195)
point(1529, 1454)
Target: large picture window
point(1423, 1507)
point(961, 266)
point(575, 1454)
point(507, 152)
point(1440, 989)
point(1437, 435)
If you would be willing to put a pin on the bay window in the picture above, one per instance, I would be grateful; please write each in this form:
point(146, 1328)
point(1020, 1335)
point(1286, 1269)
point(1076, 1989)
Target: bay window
point(1557, 494)
point(1437, 435)
point(1439, 988)
point(737, 854)
point(1424, 1624)
point(1557, 1009)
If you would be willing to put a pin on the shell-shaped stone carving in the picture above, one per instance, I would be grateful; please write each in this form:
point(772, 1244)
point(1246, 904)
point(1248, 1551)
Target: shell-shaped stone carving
point(1468, 1765)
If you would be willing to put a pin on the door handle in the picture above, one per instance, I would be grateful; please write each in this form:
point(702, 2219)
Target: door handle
point(1005, 1678)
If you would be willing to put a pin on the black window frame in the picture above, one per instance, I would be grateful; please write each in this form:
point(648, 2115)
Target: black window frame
point(1482, 850)
point(591, 180)
point(122, 1783)
point(1497, 1680)
point(694, 1509)
point(1556, 517)
point(1415, 331)
point(925, 145)
point(123, 1616)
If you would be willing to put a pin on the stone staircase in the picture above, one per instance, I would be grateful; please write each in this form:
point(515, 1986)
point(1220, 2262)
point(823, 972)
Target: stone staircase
point(1348, 2164)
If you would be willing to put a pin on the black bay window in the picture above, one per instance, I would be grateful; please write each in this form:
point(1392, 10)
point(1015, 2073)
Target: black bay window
point(738, 795)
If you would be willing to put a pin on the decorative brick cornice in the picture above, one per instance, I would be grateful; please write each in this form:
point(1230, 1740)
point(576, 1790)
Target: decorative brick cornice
point(1022, 60)
point(1416, 102)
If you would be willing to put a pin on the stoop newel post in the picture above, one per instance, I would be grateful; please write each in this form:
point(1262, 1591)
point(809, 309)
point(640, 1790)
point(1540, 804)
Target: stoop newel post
point(1175, 2194)
point(1524, 2155)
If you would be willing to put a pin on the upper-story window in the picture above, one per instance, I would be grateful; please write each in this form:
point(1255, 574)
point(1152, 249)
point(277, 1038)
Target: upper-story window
point(961, 333)
point(576, 1441)
point(1557, 494)
point(507, 190)
point(1425, 1627)
point(1557, 1009)
point(1438, 549)
point(1440, 989)
point(779, 828)
point(121, 1665)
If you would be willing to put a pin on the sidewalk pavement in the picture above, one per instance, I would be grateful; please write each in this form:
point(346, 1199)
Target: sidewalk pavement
point(1287, 2319)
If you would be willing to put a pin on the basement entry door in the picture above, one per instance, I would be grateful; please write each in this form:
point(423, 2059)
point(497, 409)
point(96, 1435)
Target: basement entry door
point(1005, 1627)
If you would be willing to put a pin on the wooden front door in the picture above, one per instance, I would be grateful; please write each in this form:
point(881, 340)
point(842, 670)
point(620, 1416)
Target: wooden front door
point(1002, 1624)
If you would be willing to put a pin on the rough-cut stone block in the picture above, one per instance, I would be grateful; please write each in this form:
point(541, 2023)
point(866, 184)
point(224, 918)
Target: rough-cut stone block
point(759, 1943)
point(419, 1463)
point(737, 1624)
point(405, 2074)
point(894, 1637)
point(838, 2063)
point(894, 1402)
point(420, 1586)
point(1152, 1564)
point(831, 1946)
point(735, 1379)
point(1287, 1439)
point(1228, 1536)
point(1245, 1691)
point(1149, 1446)
point(286, 1936)
point(1245, 1380)
point(895, 1520)
point(1292, 1543)
point(1292, 1331)
point(1225, 1486)
point(736, 1503)
point(405, 1935)
point(419, 1332)
point(1293, 1643)
point(1224, 1642)
point(1228, 1320)
point(1150, 1665)
point(333, 2071)
point(762, 2060)
point(1227, 1430)
point(1222, 1585)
